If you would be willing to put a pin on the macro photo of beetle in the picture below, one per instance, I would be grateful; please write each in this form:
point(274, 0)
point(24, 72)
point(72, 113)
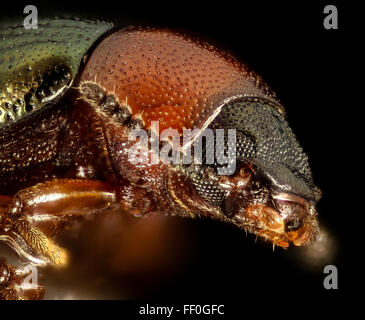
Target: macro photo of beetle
point(91, 115)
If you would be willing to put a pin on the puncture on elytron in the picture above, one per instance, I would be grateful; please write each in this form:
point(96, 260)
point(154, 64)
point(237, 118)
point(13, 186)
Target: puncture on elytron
point(73, 90)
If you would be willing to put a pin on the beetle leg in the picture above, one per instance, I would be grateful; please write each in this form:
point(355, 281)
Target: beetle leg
point(19, 283)
point(33, 216)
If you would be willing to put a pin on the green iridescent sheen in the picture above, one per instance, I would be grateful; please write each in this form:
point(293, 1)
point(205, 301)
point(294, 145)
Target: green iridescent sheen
point(39, 65)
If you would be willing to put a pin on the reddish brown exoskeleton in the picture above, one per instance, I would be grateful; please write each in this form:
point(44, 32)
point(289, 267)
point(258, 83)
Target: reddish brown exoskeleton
point(68, 126)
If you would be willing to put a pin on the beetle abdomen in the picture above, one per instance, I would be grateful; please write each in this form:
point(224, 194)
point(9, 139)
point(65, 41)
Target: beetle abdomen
point(38, 65)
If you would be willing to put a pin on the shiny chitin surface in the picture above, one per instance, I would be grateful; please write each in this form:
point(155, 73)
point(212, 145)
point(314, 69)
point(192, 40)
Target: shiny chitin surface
point(66, 112)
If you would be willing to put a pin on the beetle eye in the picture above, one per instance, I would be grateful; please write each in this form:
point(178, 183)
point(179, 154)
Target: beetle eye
point(208, 189)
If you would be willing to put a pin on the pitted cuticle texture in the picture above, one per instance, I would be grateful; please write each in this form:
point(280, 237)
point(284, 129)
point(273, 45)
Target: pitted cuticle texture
point(39, 65)
point(168, 77)
point(264, 137)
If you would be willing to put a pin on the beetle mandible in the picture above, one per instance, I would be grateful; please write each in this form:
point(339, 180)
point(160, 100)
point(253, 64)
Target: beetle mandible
point(72, 92)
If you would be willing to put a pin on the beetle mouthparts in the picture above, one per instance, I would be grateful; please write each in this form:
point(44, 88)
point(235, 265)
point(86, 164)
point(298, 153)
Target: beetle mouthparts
point(299, 217)
point(291, 220)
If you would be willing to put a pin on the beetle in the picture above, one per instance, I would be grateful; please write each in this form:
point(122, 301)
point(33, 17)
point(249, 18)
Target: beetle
point(75, 98)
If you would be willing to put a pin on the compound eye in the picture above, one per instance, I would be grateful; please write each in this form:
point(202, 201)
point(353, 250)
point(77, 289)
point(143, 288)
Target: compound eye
point(207, 188)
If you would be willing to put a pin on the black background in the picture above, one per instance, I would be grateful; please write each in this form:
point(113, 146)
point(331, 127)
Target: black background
point(308, 68)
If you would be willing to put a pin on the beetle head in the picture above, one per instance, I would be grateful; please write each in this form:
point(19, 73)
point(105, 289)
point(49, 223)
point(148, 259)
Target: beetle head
point(271, 192)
